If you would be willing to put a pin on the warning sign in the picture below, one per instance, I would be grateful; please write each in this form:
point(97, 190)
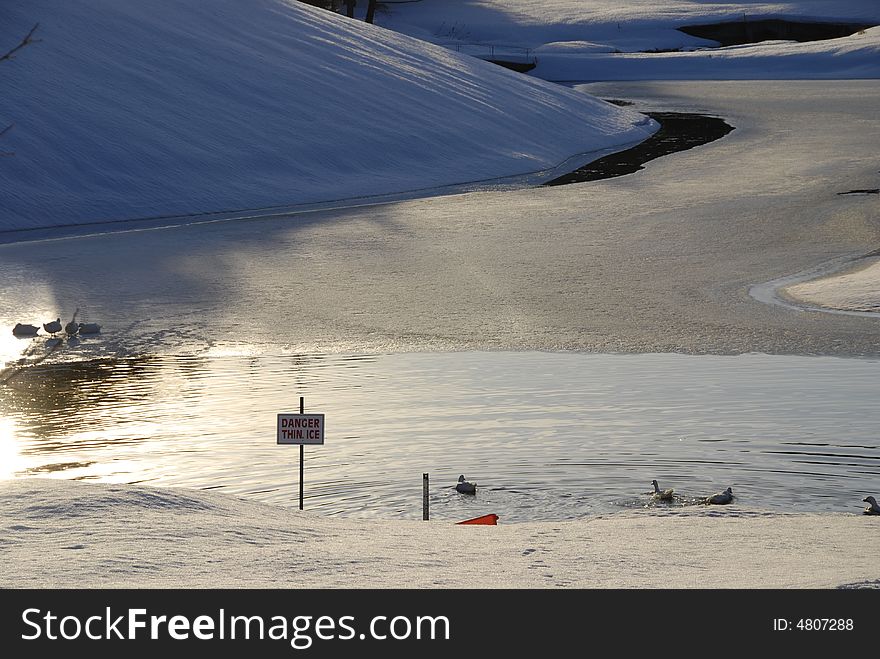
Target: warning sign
point(300, 428)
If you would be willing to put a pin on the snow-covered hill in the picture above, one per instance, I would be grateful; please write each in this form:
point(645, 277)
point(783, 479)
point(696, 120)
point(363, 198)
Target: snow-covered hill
point(133, 109)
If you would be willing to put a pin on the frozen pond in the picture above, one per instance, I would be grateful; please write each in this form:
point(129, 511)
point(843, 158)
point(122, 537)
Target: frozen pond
point(545, 435)
point(661, 260)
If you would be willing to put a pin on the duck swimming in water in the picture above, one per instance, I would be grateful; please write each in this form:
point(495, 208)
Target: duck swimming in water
point(873, 508)
point(465, 487)
point(721, 498)
point(661, 495)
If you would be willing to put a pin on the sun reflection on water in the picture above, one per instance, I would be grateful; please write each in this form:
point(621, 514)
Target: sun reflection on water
point(10, 460)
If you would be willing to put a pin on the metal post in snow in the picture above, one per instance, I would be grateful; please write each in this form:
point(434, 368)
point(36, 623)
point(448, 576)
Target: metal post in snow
point(301, 458)
point(425, 497)
point(300, 429)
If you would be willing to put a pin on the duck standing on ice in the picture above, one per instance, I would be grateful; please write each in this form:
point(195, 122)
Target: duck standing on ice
point(25, 330)
point(53, 327)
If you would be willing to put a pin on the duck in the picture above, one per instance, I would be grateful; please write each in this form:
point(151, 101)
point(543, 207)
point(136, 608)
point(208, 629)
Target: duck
point(872, 508)
point(71, 328)
point(53, 327)
point(661, 495)
point(25, 330)
point(720, 498)
point(89, 328)
point(465, 487)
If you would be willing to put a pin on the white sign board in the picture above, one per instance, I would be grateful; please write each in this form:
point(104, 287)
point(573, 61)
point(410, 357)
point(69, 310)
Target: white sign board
point(300, 428)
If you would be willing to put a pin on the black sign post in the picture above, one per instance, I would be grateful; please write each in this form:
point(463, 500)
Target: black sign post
point(302, 459)
point(300, 429)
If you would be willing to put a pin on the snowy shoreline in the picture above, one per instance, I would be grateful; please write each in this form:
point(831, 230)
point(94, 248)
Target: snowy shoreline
point(854, 288)
point(68, 534)
point(121, 225)
point(843, 286)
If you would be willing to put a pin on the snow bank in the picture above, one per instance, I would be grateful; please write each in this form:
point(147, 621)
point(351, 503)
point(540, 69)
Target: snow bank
point(132, 109)
point(852, 290)
point(856, 56)
point(614, 40)
point(624, 24)
point(58, 533)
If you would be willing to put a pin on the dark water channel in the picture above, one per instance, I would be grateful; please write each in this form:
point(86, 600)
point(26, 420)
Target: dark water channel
point(679, 131)
point(735, 33)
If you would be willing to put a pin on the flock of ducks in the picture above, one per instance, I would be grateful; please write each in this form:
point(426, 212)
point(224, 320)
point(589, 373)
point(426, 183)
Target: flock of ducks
point(464, 486)
point(717, 499)
point(725, 497)
point(54, 327)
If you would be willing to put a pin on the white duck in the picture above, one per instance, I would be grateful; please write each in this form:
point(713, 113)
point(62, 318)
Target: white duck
point(721, 498)
point(465, 487)
point(25, 330)
point(872, 508)
point(53, 327)
point(661, 495)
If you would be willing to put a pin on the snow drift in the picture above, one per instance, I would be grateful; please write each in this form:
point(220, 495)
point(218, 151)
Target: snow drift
point(69, 534)
point(129, 109)
point(627, 26)
point(641, 40)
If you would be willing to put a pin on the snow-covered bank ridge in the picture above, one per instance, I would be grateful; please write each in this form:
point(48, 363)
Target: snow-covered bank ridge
point(126, 109)
point(635, 39)
point(627, 25)
point(58, 533)
point(848, 285)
